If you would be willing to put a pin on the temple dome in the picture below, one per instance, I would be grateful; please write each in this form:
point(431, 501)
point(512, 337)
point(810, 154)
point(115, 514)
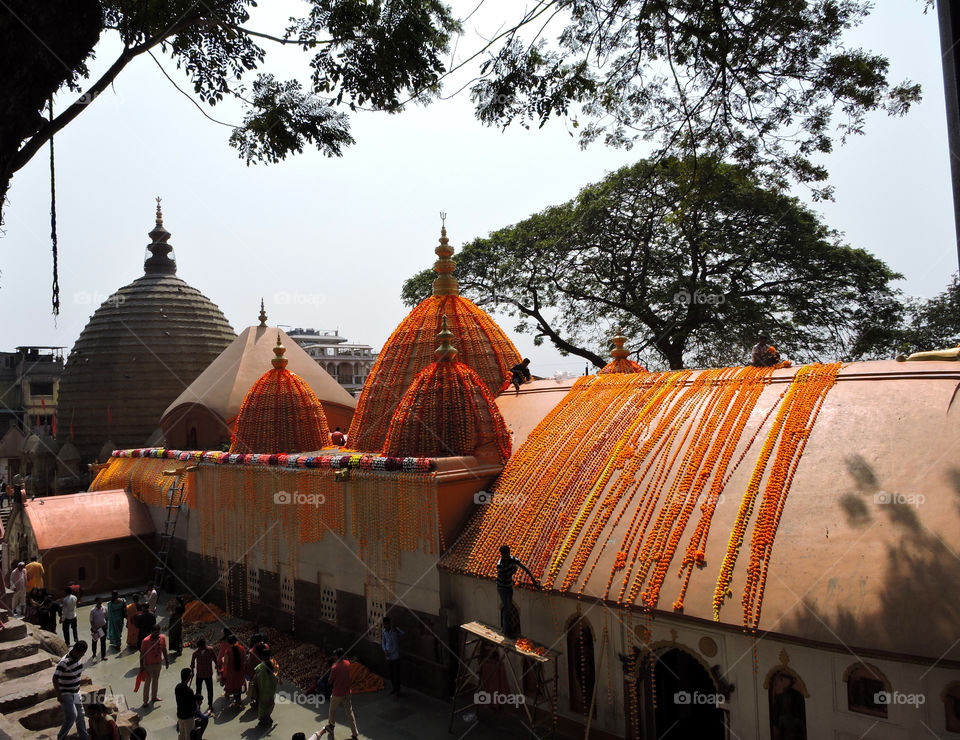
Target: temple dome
point(280, 414)
point(621, 362)
point(204, 416)
point(483, 346)
point(139, 350)
point(448, 411)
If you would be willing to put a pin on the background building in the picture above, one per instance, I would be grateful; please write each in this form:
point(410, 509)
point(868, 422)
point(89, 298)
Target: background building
point(347, 362)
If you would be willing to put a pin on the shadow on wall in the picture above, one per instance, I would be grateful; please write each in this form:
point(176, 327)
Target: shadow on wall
point(919, 573)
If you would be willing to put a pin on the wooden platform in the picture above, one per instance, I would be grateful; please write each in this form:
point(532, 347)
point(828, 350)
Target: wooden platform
point(495, 636)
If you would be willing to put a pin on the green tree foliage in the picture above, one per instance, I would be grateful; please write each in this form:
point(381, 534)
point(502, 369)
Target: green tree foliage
point(361, 52)
point(757, 81)
point(692, 258)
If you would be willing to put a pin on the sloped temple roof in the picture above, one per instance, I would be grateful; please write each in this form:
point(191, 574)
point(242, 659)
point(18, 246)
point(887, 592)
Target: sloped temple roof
point(818, 502)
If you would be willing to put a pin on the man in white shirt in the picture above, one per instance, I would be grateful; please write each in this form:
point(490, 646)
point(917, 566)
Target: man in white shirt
point(18, 582)
point(68, 615)
point(98, 628)
point(152, 599)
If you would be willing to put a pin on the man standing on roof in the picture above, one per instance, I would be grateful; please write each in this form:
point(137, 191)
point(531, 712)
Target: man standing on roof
point(520, 373)
point(507, 567)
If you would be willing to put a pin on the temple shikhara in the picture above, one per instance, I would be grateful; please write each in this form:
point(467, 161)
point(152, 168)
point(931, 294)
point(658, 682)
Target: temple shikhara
point(743, 552)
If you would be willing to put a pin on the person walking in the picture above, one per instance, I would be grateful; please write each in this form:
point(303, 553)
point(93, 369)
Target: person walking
point(116, 614)
point(35, 574)
point(133, 633)
point(145, 623)
point(153, 651)
point(98, 628)
point(507, 567)
point(18, 582)
point(202, 663)
point(152, 597)
point(68, 614)
point(188, 702)
point(175, 630)
point(66, 682)
point(47, 614)
point(390, 642)
point(340, 676)
point(231, 666)
point(266, 681)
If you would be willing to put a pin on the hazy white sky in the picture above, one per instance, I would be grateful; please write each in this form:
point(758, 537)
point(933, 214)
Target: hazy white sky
point(328, 243)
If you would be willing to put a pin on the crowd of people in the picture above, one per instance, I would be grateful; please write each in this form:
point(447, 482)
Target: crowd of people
point(248, 674)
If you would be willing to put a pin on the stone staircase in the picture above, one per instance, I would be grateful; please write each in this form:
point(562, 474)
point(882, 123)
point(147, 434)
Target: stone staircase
point(5, 514)
point(28, 703)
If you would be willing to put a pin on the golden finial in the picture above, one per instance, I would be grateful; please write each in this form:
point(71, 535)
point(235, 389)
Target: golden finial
point(446, 283)
point(279, 361)
point(618, 352)
point(446, 350)
point(263, 317)
point(159, 213)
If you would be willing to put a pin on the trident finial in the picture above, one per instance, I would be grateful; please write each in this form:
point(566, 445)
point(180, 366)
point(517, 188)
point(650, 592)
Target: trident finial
point(443, 219)
point(159, 213)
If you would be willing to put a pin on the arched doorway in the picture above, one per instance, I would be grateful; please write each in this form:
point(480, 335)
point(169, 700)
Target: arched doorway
point(677, 698)
point(581, 666)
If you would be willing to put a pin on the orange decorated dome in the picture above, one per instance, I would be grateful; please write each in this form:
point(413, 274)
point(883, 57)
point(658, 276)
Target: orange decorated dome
point(280, 414)
point(447, 411)
point(482, 345)
point(621, 362)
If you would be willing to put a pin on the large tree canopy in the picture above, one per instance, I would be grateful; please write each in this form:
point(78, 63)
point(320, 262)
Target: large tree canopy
point(692, 258)
point(757, 80)
point(376, 54)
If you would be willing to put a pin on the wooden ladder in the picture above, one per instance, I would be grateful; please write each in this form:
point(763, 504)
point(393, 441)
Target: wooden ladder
point(174, 503)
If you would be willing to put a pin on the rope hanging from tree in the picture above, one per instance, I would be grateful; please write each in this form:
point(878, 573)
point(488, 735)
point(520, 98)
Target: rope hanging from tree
point(53, 224)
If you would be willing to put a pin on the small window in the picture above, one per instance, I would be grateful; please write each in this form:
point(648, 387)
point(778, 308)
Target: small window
point(41, 387)
point(81, 573)
point(866, 690)
point(951, 706)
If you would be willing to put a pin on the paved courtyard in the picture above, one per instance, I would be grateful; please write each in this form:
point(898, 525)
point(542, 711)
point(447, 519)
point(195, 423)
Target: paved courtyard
point(379, 716)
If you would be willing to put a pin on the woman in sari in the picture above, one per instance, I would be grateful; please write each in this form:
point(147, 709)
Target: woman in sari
point(266, 680)
point(232, 668)
point(133, 634)
point(116, 614)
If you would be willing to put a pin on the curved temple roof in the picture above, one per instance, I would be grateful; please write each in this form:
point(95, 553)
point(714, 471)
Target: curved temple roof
point(847, 532)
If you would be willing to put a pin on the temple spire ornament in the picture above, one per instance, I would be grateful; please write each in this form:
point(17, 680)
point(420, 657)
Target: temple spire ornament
point(161, 260)
point(279, 361)
point(445, 351)
point(618, 352)
point(446, 283)
point(263, 317)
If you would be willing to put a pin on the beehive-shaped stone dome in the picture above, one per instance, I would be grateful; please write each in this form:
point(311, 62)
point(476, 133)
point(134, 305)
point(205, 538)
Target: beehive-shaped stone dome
point(280, 414)
point(482, 345)
point(621, 362)
point(448, 411)
point(139, 350)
